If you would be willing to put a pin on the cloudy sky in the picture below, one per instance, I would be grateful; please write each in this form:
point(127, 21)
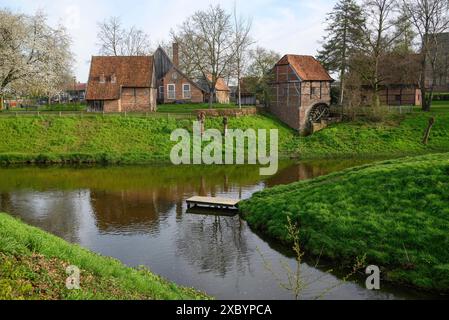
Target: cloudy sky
point(287, 26)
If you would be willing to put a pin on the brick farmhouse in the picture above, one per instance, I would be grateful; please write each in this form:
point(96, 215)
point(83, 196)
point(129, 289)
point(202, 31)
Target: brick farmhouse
point(299, 91)
point(121, 84)
point(173, 85)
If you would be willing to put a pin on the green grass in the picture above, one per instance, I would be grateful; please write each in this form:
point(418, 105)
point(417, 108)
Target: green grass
point(53, 107)
point(191, 107)
point(396, 212)
point(112, 139)
point(140, 139)
point(33, 266)
point(397, 134)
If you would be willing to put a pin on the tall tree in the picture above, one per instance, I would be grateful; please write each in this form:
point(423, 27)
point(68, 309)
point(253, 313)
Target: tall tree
point(242, 29)
point(405, 34)
point(344, 35)
point(262, 62)
point(430, 18)
point(33, 55)
point(208, 39)
point(115, 40)
point(379, 36)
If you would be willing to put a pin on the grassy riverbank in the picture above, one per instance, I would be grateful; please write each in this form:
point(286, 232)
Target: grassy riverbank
point(396, 212)
point(33, 266)
point(120, 139)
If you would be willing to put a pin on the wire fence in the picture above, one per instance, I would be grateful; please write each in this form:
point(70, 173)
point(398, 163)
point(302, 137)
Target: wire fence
point(85, 114)
point(368, 111)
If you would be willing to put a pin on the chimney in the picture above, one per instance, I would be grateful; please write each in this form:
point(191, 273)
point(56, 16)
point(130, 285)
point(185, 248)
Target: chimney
point(176, 54)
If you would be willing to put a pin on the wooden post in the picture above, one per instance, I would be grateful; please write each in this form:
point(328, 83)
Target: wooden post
point(427, 133)
point(201, 118)
point(225, 126)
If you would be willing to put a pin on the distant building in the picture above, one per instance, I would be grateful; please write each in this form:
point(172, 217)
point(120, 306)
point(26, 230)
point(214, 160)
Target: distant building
point(300, 92)
point(399, 76)
point(222, 91)
point(76, 92)
point(122, 84)
point(247, 91)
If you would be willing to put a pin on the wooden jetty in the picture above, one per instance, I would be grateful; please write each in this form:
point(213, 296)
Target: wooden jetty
point(206, 211)
point(213, 202)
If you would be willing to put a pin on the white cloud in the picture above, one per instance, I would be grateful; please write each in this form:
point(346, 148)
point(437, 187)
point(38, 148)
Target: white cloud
point(287, 26)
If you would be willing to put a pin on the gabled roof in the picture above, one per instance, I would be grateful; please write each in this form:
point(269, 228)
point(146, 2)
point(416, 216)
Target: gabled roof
point(221, 84)
point(307, 67)
point(131, 72)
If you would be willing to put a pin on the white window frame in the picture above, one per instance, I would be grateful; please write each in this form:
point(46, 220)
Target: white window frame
point(169, 97)
point(184, 96)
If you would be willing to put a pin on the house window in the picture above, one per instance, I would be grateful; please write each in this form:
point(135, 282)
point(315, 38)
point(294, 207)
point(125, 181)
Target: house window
point(113, 79)
point(186, 93)
point(174, 76)
point(171, 91)
point(314, 91)
point(161, 92)
point(102, 79)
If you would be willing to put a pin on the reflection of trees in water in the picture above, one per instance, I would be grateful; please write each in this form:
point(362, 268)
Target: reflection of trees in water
point(214, 243)
point(55, 212)
point(132, 211)
point(301, 171)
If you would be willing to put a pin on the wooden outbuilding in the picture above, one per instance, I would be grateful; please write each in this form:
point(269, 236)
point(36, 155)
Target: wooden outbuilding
point(121, 84)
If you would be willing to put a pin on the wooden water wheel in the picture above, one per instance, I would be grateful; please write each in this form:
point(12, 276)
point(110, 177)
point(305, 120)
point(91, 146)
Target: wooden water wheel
point(318, 113)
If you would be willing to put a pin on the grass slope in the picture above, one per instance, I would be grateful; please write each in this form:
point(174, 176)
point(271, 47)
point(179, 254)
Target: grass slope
point(118, 139)
point(398, 134)
point(396, 212)
point(33, 266)
point(110, 139)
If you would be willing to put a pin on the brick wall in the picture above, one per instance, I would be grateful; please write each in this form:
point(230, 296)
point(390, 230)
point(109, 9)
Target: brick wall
point(137, 100)
point(292, 99)
point(174, 77)
point(223, 97)
point(228, 112)
point(111, 106)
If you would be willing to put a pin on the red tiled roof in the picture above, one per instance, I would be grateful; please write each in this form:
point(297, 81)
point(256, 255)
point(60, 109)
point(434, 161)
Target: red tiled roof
point(307, 67)
point(131, 72)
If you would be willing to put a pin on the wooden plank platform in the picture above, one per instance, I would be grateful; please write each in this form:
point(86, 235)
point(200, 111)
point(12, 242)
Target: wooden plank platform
point(214, 202)
point(207, 211)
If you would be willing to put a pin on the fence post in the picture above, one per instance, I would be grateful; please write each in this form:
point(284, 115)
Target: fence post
point(427, 132)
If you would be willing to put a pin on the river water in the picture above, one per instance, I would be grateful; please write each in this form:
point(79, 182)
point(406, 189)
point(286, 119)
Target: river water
point(138, 215)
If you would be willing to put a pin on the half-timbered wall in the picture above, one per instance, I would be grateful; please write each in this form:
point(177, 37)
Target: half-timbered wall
point(292, 99)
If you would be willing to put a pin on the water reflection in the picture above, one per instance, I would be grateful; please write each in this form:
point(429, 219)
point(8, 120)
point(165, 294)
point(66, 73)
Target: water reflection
point(138, 215)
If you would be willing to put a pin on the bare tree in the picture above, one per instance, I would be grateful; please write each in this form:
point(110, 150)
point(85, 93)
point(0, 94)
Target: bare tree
point(34, 57)
point(186, 62)
point(208, 39)
point(110, 36)
point(430, 17)
point(380, 37)
point(242, 29)
point(115, 40)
